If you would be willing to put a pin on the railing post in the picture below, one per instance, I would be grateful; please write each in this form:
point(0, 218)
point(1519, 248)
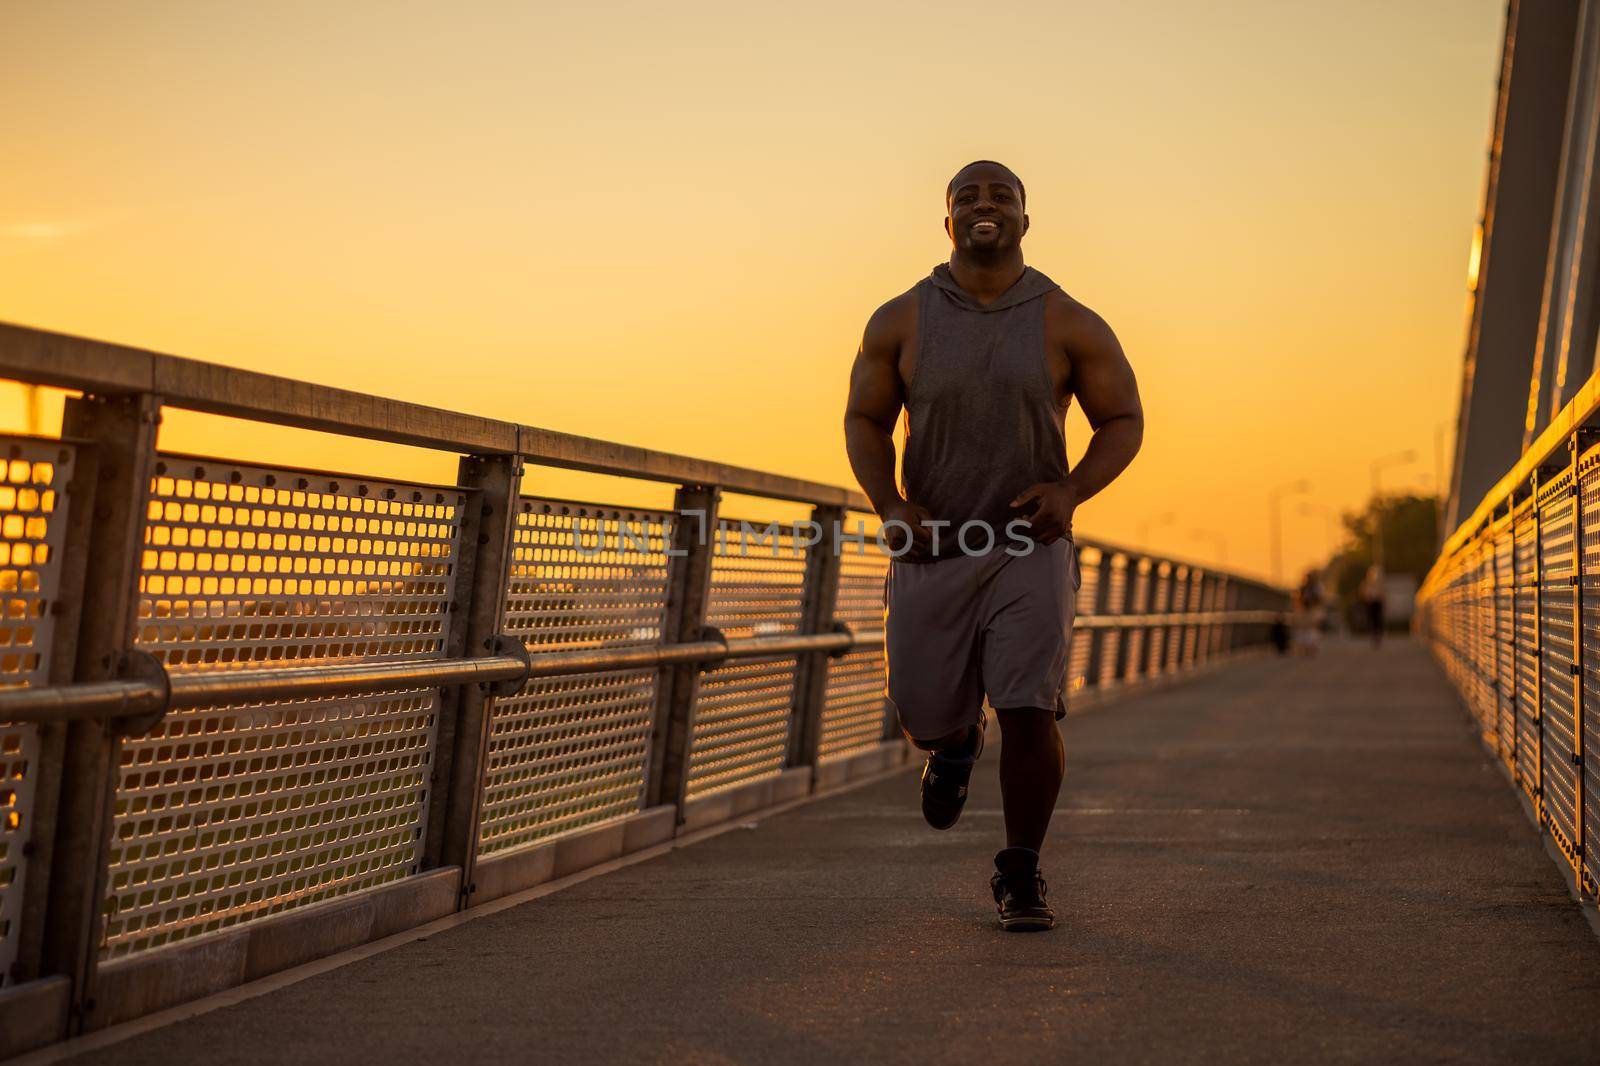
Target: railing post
point(820, 597)
point(1219, 631)
point(1119, 660)
point(688, 590)
point(1129, 658)
point(122, 430)
point(1128, 607)
point(1197, 601)
point(1235, 602)
point(1202, 600)
point(1183, 578)
point(75, 509)
point(1099, 609)
point(488, 531)
point(1155, 650)
point(1208, 603)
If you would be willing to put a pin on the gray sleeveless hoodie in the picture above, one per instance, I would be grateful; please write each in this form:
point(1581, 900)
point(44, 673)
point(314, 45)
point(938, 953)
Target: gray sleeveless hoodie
point(981, 420)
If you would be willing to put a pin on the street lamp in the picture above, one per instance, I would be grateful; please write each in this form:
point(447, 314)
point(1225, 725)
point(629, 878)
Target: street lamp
point(1159, 520)
point(1275, 510)
point(1378, 466)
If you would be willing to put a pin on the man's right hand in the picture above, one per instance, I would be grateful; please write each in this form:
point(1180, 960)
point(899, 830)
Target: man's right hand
point(916, 518)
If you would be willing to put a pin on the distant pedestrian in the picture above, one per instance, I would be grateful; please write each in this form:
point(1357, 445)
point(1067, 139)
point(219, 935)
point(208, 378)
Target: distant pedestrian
point(1308, 611)
point(1372, 601)
point(1279, 633)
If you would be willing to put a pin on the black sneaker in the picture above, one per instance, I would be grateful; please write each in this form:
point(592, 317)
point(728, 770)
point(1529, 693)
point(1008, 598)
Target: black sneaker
point(944, 783)
point(1019, 890)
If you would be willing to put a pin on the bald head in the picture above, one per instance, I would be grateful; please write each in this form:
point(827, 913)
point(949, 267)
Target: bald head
point(985, 168)
point(985, 212)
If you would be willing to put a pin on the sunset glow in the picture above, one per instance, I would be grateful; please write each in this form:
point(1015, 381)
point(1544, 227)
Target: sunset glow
point(667, 225)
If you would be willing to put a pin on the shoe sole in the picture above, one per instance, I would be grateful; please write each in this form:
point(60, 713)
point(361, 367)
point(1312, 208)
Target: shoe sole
point(951, 811)
point(954, 810)
point(1027, 925)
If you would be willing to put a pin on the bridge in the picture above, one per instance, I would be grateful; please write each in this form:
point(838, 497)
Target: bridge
point(314, 765)
point(262, 716)
point(1279, 854)
point(283, 741)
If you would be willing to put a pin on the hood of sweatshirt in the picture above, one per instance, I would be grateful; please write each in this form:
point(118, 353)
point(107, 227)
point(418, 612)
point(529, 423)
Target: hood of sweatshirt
point(1030, 286)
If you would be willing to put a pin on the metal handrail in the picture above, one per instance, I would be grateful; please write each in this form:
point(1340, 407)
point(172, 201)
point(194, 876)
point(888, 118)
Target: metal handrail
point(159, 691)
point(1583, 407)
point(46, 358)
point(1507, 610)
point(105, 689)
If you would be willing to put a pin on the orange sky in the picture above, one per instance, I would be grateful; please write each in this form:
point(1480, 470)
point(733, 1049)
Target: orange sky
point(667, 224)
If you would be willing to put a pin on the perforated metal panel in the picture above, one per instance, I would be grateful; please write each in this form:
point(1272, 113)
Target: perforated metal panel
point(1440, 630)
point(1462, 636)
point(1462, 629)
point(1527, 648)
point(855, 704)
point(1089, 569)
point(863, 571)
point(1505, 645)
point(854, 707)
point(33, 518)
point(225, 814)
point(1556, 621)
point(1483, 641)
point(1452, 632)
point(741, 715)
point(1589, 503)
point(570, 751)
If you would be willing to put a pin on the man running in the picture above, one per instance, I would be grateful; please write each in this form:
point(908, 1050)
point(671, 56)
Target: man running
point(984, 355)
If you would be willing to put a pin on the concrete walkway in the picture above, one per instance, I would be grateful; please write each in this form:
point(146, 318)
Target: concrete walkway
point(1290, 860)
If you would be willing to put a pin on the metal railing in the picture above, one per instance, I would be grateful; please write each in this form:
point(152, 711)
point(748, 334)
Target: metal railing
point(253, 715)
point(1511, 608)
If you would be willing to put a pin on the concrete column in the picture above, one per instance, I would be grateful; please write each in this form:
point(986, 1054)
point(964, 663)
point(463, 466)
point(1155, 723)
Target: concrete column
point(1567, 327)
point(1519, 205)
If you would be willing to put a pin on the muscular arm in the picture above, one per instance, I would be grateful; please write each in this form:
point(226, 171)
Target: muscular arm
point(1103, 382)
point(873, 408)
point(1105, 387)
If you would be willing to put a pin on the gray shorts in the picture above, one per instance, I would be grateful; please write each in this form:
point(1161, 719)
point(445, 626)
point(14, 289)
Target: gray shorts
point(969, 626)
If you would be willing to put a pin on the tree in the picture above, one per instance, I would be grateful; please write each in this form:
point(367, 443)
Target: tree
point(1410, 541)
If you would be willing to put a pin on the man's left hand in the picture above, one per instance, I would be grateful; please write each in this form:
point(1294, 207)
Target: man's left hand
point(1048, 508)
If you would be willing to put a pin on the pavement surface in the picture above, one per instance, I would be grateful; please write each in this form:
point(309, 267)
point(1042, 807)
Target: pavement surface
point(1306, 860)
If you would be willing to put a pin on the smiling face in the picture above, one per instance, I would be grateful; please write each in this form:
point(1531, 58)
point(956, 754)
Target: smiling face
point(984, 216)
